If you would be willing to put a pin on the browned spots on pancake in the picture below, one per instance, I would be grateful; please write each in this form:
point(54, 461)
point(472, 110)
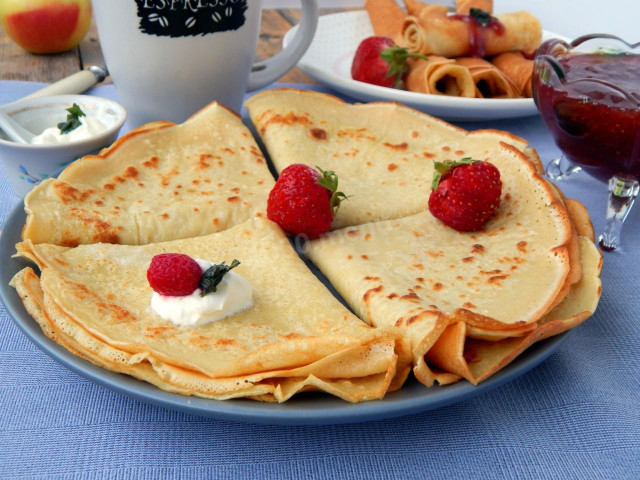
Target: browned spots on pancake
point(259, 182)
point(415, 134)
point(234, 199)
point(244, 172)
point(411, 296)
point(67, 193)
point(227, 150)
point(98, 203)
point(459, 152)
point(196, 209)
point(392, 166)
point(491, 272)
point(349, 257)
point(477, 248)
point(507, 197)
point(223, 342)
point(370, 292)
point(131, 172)
point(353, 233)
point(428, 155)
point(419, 266)
point(70, 242)
point(176, 193)
point(151, 163)
point(417, 234)
point(117, 313)
point(151, 332)
point(522, 246)
point(356, 134)
point(164, 216)
point(289, 119)
point(318, 133)
point(215, 221)
point(391, 296)
point(437, 254)
point(234, 190)
point(468, 259)
point(437, 286)
point(396, 146)
point(468, 305)
point(446, 148)
point(203, 161)
point(368, 277)
point(419, 279)
point(364, 257)
point(516, 260)
point(60, 261)
point(220, 163)
point(497, 279)
point(166, 179)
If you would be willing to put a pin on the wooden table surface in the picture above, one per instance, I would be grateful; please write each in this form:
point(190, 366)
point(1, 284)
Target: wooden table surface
point(18, 64)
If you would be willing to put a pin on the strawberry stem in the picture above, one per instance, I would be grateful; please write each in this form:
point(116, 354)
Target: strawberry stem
point(329, 180)
point(440, 168)
point(396, 57)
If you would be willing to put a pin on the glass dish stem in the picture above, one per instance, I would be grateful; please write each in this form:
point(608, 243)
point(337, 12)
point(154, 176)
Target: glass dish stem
point(622, 194)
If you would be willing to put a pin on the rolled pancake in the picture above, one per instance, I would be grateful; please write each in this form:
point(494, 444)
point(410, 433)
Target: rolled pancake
point(490, 82)
point(383, 153)
point(438, 34)
point(464, 6)
point(440, 76)
point(386, 18)
point(159, 182)
point(518, 68)
point(98, 297)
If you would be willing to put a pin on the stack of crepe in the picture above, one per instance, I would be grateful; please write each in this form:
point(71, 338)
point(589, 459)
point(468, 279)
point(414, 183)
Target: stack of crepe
point(425, 297)
point(448, 70)
point(163, 188)
point(450, 294)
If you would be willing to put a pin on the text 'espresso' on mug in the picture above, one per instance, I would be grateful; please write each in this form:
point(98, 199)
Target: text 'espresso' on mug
point(170, 58)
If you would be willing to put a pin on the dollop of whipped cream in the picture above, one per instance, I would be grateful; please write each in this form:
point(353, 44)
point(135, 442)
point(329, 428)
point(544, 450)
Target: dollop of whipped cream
point(89, 126)
point(233, 294)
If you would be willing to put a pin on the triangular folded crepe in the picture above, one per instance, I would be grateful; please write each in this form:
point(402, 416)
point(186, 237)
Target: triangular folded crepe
point(95, 300)
point(383, 153)
point(159, 182)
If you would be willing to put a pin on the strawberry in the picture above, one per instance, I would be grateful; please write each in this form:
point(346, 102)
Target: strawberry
point(174, 274)
point(304, 200)
point(465, 194)
point(379, 61)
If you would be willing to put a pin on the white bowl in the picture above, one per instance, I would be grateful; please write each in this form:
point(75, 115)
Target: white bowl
point(27, 165)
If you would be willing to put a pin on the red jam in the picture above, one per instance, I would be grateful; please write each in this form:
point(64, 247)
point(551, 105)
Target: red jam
point(477, 33)
point(596, 126)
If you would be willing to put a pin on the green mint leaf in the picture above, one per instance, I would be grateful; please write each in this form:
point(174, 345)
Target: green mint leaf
point(212, 277)
point(73, 119)
point(329, 180)
point(440, 168)
point(482, 17)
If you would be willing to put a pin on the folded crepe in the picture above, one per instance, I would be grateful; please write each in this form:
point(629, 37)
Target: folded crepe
point(440, 76)
point(451, 294)
point(489, 80)
point(464, 6)
point(383, 153)
point(517, 68)
point(386, 18)
point(159, 182)
point(95, 300)
point(438, 34)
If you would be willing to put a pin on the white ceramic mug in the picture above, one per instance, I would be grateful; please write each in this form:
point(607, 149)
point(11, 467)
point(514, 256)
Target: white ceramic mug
point(169, 58)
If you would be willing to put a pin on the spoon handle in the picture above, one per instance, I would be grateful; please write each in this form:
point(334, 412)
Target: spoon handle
point(76, 83)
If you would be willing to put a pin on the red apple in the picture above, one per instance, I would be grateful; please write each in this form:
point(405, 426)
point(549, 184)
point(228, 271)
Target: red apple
point(46, 26)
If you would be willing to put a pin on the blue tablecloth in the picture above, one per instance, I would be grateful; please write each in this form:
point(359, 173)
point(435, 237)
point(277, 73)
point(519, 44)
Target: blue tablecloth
point(575, 416)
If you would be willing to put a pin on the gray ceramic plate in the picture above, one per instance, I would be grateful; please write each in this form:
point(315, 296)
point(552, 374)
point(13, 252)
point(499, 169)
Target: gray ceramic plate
point(304, 409)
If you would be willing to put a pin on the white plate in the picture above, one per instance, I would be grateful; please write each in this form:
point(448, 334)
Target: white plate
point(328, 60)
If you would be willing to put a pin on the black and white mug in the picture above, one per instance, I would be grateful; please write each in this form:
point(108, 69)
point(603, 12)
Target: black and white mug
point(169, 58)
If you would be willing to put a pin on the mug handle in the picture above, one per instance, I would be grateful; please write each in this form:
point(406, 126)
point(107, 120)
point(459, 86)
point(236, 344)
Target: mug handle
point(267, 71)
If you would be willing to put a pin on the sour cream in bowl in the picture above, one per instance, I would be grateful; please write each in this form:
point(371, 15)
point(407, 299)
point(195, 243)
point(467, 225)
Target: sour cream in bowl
point(50, 150)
